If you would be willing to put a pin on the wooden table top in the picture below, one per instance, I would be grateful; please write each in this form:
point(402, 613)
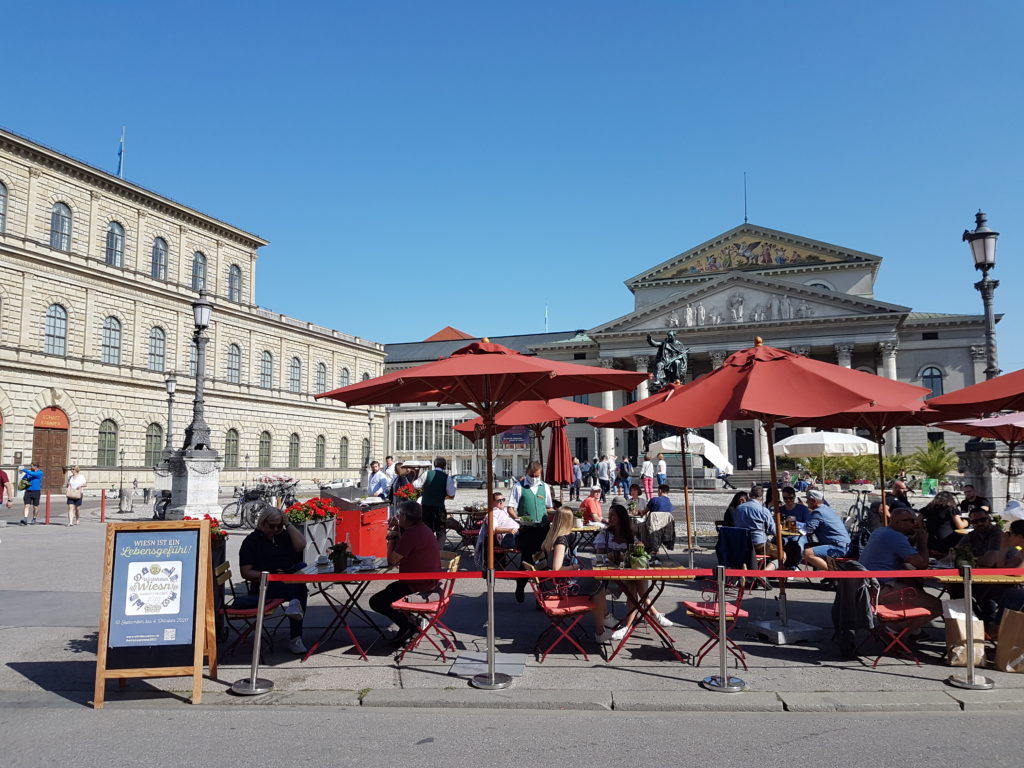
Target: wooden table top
point(982, 579)
point(643, 574)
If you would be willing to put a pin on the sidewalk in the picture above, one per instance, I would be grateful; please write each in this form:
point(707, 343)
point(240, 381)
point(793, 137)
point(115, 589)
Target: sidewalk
point(49, 609)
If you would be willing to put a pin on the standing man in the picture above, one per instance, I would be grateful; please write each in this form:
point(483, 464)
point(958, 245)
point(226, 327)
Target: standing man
point(577, 480)
point(437, 485)
point(529, 502)
point(585, 476)
point(604, 476)
point(6, 490)
point(34, 475)
point(378, 483)
point(826, 528)
point(414, 549)
point(389, 469)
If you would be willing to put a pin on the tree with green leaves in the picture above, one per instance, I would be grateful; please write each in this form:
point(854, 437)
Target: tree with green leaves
point(936, 461)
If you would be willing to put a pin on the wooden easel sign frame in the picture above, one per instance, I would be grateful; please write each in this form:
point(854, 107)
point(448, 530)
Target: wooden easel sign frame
point(155, 614)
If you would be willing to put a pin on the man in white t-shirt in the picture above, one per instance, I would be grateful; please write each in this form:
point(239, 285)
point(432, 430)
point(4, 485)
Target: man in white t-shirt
point(604, 475)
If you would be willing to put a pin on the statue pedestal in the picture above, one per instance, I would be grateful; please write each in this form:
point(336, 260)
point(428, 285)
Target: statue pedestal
point(194, 484)
point(990, 472)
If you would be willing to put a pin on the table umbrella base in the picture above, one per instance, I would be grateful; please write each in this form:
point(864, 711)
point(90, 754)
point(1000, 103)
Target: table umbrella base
point(731, 685)
point(778, 632)
point(246, 687)
point(978, 684)
point(493, 682)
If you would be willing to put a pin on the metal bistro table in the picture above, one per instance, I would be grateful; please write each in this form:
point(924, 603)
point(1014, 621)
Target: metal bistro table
point(657, 579)
point(585, 535)
point(342, 608)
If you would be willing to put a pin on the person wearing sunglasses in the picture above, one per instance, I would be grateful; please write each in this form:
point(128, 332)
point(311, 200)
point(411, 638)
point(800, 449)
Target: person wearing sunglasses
point(276, 546)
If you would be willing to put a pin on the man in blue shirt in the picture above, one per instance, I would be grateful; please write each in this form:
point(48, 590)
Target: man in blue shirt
point(793, 508)
point(34, 475)
point(661, 502)
point(758, 519)
point(904, 543)
point(826, 528)
point(378, 483)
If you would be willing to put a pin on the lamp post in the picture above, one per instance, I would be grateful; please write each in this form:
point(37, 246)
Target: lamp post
point(197, 434)
point(369, 421)
point(983, 248)
point(171, 383)
point(120, 473)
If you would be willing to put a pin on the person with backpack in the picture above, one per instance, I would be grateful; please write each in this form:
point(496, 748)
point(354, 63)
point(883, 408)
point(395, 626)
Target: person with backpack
point(32, 484)
point(625, 472)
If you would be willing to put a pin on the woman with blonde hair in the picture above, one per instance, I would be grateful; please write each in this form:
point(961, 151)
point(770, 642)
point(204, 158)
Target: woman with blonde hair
point(73, 489)
point(556, 548)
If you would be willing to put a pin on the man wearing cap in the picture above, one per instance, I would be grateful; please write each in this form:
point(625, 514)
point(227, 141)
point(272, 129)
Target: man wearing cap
point(591, 506)
point(826, 528)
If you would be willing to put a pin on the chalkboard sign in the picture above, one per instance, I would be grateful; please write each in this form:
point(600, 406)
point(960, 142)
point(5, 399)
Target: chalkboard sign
point(156, 612)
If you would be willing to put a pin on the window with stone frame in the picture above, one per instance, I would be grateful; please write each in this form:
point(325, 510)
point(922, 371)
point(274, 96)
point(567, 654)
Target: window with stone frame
point(198, 271)
point(234, 283)
point(154, 445)
point(231, 449)
point(295, 375)
point(344, 378)
point(115, 244)
point(234, 367)
point(55, 341)
point(366, 452)
point(264, 455)
point(106, 450)
point(931, 378)
point(321, 377)
point(320, 456)
point(343, 453)
point(193, 358)
point(110, 345)
point(158, 259)
point(157, 350)
point(3, 207)
point(266, 370)
point(60, 227)
point(293, 450)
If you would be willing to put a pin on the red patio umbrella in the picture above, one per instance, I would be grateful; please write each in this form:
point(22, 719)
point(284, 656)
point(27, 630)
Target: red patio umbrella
point(1003, 393)
point(559, 470)
point(767, 384)
point(1007, 428)
point(485, 378)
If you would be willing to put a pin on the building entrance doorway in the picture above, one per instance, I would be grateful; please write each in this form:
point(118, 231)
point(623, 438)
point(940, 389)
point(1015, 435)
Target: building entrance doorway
point(50, 446)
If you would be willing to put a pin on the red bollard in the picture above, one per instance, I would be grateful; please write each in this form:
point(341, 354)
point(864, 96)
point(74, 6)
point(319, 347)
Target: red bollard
point(103, 505)
point(47, 507)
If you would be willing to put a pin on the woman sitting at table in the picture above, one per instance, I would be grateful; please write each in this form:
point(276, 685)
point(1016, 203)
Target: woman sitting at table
point(729, 518)
point(992, 599)
point(942, 518)
point(633, 503)
point(555, 549)
point(615, 542)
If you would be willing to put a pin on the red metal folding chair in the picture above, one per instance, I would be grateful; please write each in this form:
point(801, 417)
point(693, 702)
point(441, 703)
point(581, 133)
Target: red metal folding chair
point(564, 613)
point(894, 617)
point(428, 616)
point(706, 614)
point(242, 621)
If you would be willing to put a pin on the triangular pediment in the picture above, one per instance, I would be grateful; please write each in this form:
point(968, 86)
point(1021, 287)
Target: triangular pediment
point(750, 248)
point(741, 299)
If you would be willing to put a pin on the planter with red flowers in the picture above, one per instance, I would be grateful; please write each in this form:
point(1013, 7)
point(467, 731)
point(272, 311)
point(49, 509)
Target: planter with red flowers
point(316, 517)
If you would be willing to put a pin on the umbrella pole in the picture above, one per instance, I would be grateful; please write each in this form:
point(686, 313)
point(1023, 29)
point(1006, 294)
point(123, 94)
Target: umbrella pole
point(490, 680)
point(1009, 469)
point(686, 494)
point(769, 428)
point(880, 439)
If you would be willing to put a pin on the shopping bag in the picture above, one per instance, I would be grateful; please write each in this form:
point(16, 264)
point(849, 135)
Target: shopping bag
point(1010, 646)
point(955, 620)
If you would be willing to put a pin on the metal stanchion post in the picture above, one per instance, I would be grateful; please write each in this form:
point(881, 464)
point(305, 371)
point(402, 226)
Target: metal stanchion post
point(254, 685)
point(970, 681)
point(490, 680)
point(722, 682)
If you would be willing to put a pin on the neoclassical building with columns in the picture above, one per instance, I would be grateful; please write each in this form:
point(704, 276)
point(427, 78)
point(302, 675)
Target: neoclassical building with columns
point(807, 296)
point(97, 277)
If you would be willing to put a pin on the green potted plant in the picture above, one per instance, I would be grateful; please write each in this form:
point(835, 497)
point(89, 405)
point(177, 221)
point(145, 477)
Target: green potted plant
point(934, 462)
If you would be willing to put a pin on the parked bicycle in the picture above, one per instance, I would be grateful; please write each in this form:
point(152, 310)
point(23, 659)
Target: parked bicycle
point(234, 513)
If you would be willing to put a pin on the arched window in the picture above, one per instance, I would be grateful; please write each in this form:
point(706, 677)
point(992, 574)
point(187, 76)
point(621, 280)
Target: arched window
point(234, 283)
point(198, 271)
point(3, 207)
point(320, 459)
point(366, 377)
point(264, 453)
point(158, 261)
point(295, 375)
point(343, 453)
point(193, 359)
point(344, 378)
point(110, 348)
point(106, 451)
point(234, 364)
point(154, 444)
point(366, 452)
point(231, 449)
point(321, 377)
point(931, 377)
point(157, 347)
point(115, 244)
point(56, 340)
point(266, 370)
point(293, 450)
point(60, 227)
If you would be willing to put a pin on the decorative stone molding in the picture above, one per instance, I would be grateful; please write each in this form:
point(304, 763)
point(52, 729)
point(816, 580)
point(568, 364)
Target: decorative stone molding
point(977, 354)
point(888, 348)
point(605, 362)
point(718, 357)
point(643, 362)
point(801, 349)
point(844, 354)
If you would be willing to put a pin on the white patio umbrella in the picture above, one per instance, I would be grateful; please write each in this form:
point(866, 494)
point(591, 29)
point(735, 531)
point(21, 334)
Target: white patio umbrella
point(697, 445)
point(821, 444)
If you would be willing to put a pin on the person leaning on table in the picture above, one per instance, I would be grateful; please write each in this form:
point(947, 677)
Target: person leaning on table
point(904, 544)
point(276, 546)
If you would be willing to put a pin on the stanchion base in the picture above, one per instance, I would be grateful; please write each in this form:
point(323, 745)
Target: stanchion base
point(493, 682)
point(246, 688)
point(714, 683)
point(980, 683)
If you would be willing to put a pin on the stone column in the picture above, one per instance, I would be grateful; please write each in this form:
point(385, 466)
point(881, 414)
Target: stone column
point(978, 363)
point(844, 358)
point(888, 350)
point(643, 365)
point(607, 447)
point(722, 427)
point(760, 447)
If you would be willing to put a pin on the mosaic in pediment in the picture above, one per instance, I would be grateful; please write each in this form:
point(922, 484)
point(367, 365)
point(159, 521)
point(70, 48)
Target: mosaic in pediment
point(748, 253)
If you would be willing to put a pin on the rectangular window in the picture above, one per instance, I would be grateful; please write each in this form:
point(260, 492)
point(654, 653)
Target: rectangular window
point(581, 399)
point(581, 448)
point(428, 435)
point(936, 437)
point(449, 435)
point(506, 467)
point(419, 437)
point(467, 466)
point(400, 436)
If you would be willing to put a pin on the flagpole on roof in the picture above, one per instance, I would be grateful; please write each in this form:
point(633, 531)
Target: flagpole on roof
point(120, 156)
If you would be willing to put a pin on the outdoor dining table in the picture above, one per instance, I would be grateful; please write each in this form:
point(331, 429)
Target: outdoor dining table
point(585, 535)
point(988, 578)
point(342, 608)
point(656, 579)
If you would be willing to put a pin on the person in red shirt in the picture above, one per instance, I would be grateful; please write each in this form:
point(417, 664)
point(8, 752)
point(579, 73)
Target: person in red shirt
point(6, 490)
point(413, 547)
point(591, 506)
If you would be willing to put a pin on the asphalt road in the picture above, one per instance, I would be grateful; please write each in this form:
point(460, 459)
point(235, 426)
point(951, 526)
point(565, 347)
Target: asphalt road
point(188, 736)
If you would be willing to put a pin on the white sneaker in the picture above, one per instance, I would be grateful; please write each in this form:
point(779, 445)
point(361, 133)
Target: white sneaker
point(295, 645)
point(619, 633)
point(294, 611)
point(610, 622)
point(664, 620)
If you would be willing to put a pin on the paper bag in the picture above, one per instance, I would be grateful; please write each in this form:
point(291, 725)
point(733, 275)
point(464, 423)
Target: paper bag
point(956, 635)
point(1010, 646)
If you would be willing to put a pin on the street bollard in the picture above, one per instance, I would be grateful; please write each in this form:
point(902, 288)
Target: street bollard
point(970, 681)
point(47, 507)
point(722, 682)
point(253, 685)
point(103, 505)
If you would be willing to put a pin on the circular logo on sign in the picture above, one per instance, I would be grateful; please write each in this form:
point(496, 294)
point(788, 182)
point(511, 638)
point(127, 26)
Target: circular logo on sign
point(154, 569)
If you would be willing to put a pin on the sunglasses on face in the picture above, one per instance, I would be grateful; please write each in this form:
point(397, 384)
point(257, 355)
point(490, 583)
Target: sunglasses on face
point(275, 526)
point(499, 501)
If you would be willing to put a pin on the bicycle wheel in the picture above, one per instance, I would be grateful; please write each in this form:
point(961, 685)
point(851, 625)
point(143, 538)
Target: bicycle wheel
point(231, 515)
point(251, 513)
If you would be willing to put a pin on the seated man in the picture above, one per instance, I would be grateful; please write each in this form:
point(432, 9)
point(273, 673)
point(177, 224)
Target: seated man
point(826, 528)
point(973, 501)
point(276, 546)
point(661, 502)
point(414, 549)
point(903, 544)
point(984, 538)
point(793, 508)
point(591, 507)
point(758, 519)
point(505, 526)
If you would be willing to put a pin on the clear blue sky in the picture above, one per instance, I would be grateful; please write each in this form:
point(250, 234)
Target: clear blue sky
point(417, 164)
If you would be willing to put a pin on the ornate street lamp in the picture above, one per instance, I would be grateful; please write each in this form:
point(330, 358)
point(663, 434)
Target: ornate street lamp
point(369, 421)
point(983, 248)
point(197, 434)
point(171, 383)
